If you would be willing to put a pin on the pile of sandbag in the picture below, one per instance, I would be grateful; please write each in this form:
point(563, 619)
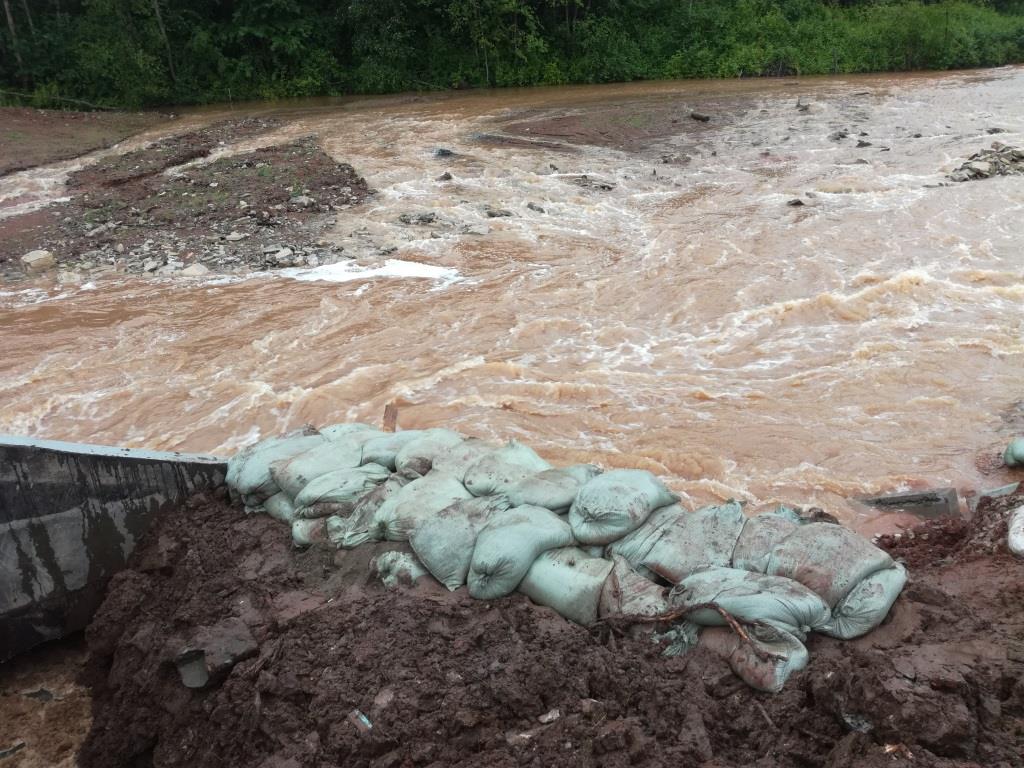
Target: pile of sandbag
point(592, 545)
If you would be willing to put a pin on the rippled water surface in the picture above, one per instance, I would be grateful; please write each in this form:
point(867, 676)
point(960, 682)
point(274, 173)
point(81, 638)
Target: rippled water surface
point(688, 320)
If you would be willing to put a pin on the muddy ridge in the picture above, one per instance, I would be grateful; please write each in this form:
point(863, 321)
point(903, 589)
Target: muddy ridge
point(318, 665)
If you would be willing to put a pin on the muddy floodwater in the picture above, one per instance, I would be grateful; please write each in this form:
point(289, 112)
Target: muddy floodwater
point(652, 301)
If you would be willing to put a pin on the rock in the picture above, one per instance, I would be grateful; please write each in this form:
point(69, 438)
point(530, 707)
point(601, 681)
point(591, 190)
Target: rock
point(418, 218)
point(151, 265)
point(442, 152)
point(700, 117)
point(303, 200)
point(839, 135)
point(498, 213)
point(796, 202)
point(196, 270)
point(535, 207)
point(234, 237)
point(981, 167)
point(212, 653)
point(445, 177)
point(38, 260)
point(992, 131)
point(549, 717)
point(861, 143)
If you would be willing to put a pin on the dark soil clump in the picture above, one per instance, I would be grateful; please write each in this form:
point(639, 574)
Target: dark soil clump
point(343, 672)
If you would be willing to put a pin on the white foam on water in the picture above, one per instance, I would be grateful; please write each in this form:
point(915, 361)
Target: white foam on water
point(346, 271)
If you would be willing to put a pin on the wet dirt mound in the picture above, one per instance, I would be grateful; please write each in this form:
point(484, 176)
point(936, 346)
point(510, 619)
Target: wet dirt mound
point(314, 664)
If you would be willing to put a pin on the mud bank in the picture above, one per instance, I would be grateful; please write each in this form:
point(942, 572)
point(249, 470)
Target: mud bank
point(308, 645)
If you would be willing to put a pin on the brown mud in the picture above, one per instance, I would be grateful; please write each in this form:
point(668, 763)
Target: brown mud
point(445, 680)
point(31, 137)
point(149, 211)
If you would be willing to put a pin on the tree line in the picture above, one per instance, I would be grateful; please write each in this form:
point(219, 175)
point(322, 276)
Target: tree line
point(135, 53)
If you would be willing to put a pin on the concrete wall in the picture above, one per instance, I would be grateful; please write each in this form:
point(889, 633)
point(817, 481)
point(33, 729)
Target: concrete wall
point(70, 515)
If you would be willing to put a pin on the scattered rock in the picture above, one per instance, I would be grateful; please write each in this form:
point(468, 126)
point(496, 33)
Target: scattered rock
point(535, 207)
point(861, 143)
point(303, 201)
point(442, 152)
point(196, 270)
point(587, 182)
point(993, 131)
point(38, 260)
point(700, 117)
point(234, 237)
point(446, 176)
point(796, 202)
point(549, 717)
point(1000, 160)
point(839, 135)
point(498, 213)
point(421, 219)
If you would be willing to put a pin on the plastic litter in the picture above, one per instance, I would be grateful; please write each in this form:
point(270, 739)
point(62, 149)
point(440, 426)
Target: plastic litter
point(569, 581)
point(696, 540)
point(615, 503)
point(336, 493)
point(760, 534)
point(396, 569)
point(384, 449)
point(444, 543)
point(751, 597)
point(1015, 540)
point(868, 603)
point(418, 456)
point(827, 558)
point(553, 489)
point(507, 547)
point(1013, 456)
point(782, 655)
point(295, 473)
point(627, 593)
point(501, 468)
point(248, 474)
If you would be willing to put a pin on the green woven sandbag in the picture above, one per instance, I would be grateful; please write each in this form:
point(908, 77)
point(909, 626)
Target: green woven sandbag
point(444, 543)
point(553, 489)
point(336, 493)
point(867, 604)
point(628, 593)
point(695, 540)
point(615, 503)
point(457, 459)
point(398, 569)
point(750, 597)
point(827, 558)
point(499, 469)
point(760, 534)
point(248, 474)
point(307, 533)
point(280, 507)
point(295, 473)
point(359, 528)
point(635, 545)
point(507, 547)
point(355, 432)
point(1013, 456)
point(781, 654)
point(417, 457)
point(417, 502)
point(569, 581)
point(384, 448)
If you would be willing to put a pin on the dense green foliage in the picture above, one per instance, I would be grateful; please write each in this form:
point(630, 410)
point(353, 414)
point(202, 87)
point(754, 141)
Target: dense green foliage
point(144, 52)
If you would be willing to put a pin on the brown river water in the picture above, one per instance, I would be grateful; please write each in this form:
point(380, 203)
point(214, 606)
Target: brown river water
point(687, 321)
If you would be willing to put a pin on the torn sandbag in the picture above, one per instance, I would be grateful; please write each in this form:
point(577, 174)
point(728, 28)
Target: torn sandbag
point(248, 474)
point(358, 527)
point(384, 448)
point(501, 468)
point(766, 662)
point(681, 638)
point(417, 502)
point(280, 507)
point(306, 533)
point(827, 558)
point(336, 493)
point(1013, 456)
point(444, 543)
point(867, 604)
point(750, 597)
point(457, 459)
point(295, 473)
point(696, 540)
point(553, 489)
point(397, 569)
point(615, 503)
point(569, 581)
point(418, 456)
point(760, 534)
point(507, 547)
point(359, 433)
point(627, 593)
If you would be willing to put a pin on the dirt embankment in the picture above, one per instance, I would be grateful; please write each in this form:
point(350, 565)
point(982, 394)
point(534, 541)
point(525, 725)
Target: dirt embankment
point(31, 137)
point(442, 679)
point(155, 210)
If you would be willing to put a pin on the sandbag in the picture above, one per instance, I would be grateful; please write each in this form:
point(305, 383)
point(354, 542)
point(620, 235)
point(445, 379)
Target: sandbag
point(359, 527)
point(444, 543)
point(1015, 537)
point(295, 473)
point(507, 547)
point(280, 507)
point(827, 558)
point(636, 545)
point(867, 604)
point(355, 432)
point(627, 593)
point(553, 489)
point(787, 655)
point(418, 456)
point(751, 597)
point(760, 534)
point(569, 581)
point(248, 474)
point(1013, 456)
point(336, 493)
point(383, 448)
point(457, 459)
point(396, 569)
point(501, 468)
point(696, 540)
point(306, 533)
point(420, 500)
point(615, 503)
